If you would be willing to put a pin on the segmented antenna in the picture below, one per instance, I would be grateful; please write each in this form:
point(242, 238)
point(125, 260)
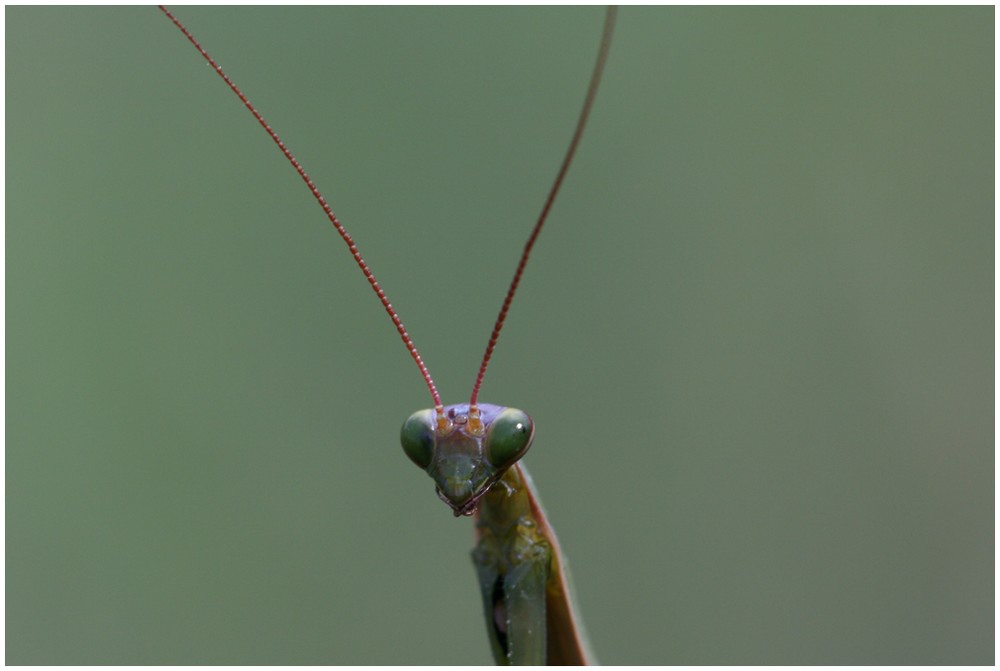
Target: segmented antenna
point(326, 210)
point(588, 102)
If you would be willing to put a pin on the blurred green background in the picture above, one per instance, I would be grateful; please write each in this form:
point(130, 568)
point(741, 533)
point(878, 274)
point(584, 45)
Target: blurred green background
point(756, 338)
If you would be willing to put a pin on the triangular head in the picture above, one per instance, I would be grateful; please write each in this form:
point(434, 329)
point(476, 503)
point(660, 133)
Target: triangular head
point(466, 449)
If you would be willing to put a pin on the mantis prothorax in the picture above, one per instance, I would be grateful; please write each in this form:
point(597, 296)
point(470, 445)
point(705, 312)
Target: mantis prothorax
point(471, 451)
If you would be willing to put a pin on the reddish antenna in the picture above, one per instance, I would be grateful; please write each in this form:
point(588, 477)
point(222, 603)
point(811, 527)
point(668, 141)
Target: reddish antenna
point(595, 79)
point(326, 210)
point(588, 102)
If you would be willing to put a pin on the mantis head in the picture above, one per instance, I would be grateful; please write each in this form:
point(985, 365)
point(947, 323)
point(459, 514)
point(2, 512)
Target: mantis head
point(466, 449)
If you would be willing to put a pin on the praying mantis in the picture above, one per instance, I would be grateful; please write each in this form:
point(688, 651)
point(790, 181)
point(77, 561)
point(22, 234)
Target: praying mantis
point(472, 451)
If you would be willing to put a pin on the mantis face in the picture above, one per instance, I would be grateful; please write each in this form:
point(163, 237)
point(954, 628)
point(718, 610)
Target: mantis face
point(466, 451)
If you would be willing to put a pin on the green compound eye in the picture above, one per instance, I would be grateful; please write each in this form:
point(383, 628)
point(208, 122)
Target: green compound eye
point(417, 437)
point(509, 437)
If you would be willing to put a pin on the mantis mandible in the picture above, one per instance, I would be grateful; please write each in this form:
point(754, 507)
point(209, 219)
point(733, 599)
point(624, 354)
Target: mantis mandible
point(472, 452)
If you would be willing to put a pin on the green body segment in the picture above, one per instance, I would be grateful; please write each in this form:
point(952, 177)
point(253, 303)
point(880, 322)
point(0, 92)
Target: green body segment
point(523, 579)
